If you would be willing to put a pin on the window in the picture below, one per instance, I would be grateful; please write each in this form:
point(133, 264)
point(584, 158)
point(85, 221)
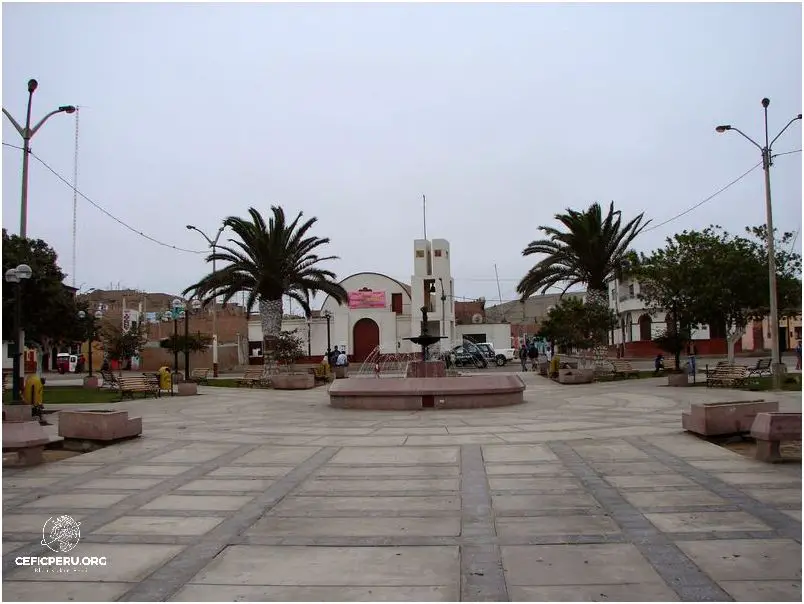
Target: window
point(438, 253)
point(396, 303)
point(420, 253)
point(631, 291)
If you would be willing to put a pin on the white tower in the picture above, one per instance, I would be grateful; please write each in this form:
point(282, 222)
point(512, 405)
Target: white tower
point(432, 280)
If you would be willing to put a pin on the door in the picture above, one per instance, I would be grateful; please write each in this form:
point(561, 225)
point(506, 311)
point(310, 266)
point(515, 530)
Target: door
point(759, 337)
point(365, 338)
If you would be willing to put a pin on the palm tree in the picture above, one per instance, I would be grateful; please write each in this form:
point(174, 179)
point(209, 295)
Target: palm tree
point(269, 261)
point(590, 250)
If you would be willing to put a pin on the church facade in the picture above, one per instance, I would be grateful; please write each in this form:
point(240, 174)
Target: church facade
point(382, 311)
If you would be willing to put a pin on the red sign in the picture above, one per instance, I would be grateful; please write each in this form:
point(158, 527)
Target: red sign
point(366, 299)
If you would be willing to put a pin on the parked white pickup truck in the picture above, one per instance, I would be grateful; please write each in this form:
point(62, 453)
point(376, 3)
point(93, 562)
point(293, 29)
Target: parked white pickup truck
point(499, 355)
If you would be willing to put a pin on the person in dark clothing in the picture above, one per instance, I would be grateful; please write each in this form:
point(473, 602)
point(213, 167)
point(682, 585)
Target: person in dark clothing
point(658, 364)
point(523, 357)
point(533, 355)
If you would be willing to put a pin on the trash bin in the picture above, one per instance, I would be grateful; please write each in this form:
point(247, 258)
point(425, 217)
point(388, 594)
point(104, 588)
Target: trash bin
point(32, 394)
point(165, 381)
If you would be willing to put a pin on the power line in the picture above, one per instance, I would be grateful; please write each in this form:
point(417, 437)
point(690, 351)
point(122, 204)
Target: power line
point(708, 199)
point(102, 209)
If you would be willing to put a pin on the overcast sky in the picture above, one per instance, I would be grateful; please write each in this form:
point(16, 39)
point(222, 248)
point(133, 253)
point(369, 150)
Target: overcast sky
point(503, 115)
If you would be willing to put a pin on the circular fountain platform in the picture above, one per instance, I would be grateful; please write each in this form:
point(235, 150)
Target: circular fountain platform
point(465, 392)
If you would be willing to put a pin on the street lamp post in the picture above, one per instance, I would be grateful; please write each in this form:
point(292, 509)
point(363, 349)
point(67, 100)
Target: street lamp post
point(195, 306)
point(17, 275)
point(176, 309)
point(97, 316)
point(767, 162)
point(27, 134)
point(213, 243)
point(328, 316)
point(309, 336)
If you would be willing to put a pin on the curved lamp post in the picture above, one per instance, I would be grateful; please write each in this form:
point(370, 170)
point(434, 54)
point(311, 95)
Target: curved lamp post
point(27, 134)
point(213, 243)
point(767, 162)
point(16, 276)
point(96, 316)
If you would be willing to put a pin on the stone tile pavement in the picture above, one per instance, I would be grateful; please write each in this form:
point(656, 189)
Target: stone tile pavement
point(584, 493)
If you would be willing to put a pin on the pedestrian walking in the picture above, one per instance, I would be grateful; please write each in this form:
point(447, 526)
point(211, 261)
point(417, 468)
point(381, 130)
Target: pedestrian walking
point(533, 355)
point(798, 355)
point(523, 357)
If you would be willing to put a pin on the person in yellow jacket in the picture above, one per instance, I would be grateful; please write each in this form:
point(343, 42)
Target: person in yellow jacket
point(33, 394)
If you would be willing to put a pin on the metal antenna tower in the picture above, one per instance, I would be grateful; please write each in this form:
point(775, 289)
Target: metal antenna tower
point(75, 191)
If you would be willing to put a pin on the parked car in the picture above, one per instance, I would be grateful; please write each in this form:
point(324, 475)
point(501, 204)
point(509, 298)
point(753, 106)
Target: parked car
point(500, 356)
point(468, 355)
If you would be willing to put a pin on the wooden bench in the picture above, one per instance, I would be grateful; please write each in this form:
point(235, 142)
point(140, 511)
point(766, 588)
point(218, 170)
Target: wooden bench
point(772, 429)
point(129, 386)
point(200, 375)
point(152, 379)
point(710, 371)
point(109, 380)
point(762, 367)
point(728, 376)
point(252, 377)
point(623, 368)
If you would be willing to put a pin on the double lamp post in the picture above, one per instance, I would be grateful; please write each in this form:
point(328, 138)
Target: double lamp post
point(91, 329)
point(27, 133)
point(767, 162)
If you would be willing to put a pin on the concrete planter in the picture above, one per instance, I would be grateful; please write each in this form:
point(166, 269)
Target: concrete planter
point(104, 426)
point(91, 382)
point(341, 373)
point(27, 439)
point(678, 379)
point(187, 389)
point(717, 419)
point(576, 376)
point(17, 413)
point(293, 381)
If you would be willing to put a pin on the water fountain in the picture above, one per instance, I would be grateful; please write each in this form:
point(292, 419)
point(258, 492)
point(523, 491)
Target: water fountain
point(422, 384)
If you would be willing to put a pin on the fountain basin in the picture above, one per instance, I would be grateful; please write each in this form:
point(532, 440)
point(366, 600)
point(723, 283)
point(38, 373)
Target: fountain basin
point(466, 392)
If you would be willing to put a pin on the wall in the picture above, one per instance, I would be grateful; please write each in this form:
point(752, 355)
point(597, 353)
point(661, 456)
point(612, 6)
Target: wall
point(499, 334)
point(649, 350)
point(792, 327)
point(154, 357)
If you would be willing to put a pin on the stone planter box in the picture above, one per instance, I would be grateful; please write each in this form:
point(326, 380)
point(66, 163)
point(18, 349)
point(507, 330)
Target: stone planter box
point(26, 439)
point(293, 381)
point(91, 382)
point(17, 413)
point(187, 389)
point(341, 372)
point(717, 419)
point(576, 376)
point(772, 429)
point(678, 379)
point(103, 426)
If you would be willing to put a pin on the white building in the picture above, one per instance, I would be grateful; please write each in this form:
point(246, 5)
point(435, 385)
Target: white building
point(382, 312)
point(639, 325)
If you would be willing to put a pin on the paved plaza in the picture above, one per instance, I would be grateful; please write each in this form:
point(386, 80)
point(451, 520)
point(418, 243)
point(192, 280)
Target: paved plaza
point(585, 492)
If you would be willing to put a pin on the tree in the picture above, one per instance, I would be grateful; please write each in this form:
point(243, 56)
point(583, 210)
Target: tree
point(712, 277)
point(120, 345)
point(269, 261)
point(289, 348)
point(575, 324)
point(590, 250)
point(49, 309)
point(194, 342)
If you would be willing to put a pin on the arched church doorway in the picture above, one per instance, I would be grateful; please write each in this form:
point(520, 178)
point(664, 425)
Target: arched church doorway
point(365, 338)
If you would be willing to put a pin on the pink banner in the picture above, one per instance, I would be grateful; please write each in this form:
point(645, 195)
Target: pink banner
point(366, 299)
